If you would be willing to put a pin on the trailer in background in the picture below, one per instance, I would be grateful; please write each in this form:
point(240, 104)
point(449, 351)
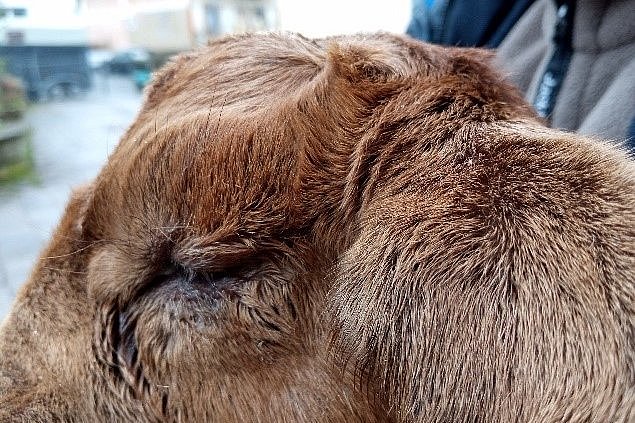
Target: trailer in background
point(49, 71)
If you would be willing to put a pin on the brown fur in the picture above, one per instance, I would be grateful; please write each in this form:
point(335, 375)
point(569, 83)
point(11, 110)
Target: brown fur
point(352, 229)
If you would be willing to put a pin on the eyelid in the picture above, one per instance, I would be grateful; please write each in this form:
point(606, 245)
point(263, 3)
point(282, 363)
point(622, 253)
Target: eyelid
point(212, 279)
point(186, 274)
point(216, 257)
point(177, 280)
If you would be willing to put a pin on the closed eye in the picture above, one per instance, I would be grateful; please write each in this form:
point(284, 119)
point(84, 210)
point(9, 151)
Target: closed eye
point(180, 281)
point(209, 279)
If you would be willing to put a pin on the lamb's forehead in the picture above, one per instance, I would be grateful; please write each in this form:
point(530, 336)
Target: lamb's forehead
point(205, 172)
point(222, 126)
point(270, 48)
point(238, 73)
point(249, 72)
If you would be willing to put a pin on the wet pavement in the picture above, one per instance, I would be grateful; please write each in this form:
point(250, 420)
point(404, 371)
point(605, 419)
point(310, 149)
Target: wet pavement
point(71, 140)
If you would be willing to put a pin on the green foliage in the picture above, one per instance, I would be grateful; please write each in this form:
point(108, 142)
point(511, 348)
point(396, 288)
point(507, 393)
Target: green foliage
point(22, 169)
point(12, 97)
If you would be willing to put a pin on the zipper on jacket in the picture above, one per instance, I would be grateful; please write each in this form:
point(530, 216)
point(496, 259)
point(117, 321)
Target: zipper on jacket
point(556, 70)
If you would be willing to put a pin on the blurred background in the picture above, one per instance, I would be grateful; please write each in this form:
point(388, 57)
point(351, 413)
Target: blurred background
point(72, 74)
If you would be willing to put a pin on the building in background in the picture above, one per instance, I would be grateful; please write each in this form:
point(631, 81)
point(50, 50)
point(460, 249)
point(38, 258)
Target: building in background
point(226, 16)
point(51, 45)
point(165, 26)
point(47, 52)
point(316, 19)
point(23, 23)
point(126, 32)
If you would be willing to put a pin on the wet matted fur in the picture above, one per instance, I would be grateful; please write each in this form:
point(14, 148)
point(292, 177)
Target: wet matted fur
point(351, 229)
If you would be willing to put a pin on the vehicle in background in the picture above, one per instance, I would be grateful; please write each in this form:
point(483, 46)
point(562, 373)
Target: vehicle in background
point(98, 59)
point(51, 61)
point(145, 63)
point(141, 75)
point(126, 61)
point(49, 72)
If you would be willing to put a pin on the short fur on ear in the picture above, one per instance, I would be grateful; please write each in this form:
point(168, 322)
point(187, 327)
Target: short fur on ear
point(373, 59)
point(492, 280)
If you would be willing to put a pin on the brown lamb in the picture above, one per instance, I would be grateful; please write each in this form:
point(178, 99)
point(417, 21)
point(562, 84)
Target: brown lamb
point(360, 228)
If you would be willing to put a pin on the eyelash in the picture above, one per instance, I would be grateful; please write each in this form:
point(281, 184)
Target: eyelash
point(208, 278)
point(176, 271)
point(205, 280)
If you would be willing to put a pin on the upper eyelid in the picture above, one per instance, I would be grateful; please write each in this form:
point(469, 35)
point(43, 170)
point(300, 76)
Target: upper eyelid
point(232, 267)
point(239, 261)
point(239, 258)
point(218, 257)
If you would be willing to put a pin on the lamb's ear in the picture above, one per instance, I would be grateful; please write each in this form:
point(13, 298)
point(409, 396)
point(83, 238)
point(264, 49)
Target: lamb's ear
point(476, 283)
point(409, 319)
point(372, 60)
point(69, 232)
point(423, 304)
point(337, 105)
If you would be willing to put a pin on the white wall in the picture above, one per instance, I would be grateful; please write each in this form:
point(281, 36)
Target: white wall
point(319, 18)
point(46, 23)
point(47, 13)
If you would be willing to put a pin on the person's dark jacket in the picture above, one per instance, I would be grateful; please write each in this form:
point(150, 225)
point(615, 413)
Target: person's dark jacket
point(597, 94)
point(465, 23)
